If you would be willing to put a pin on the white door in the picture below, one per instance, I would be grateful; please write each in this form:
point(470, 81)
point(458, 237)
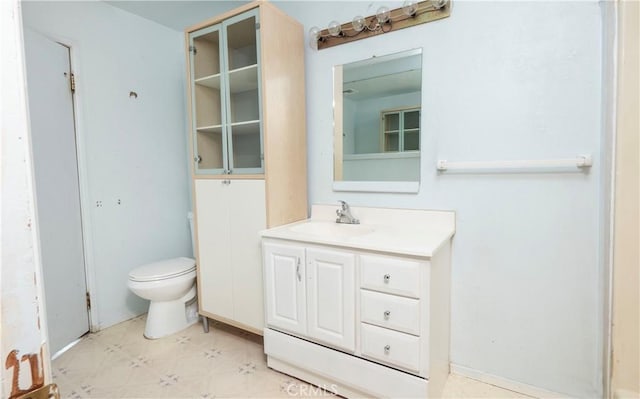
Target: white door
point(331, 297)
point(215, 271)
point(248, 215)
point(57, 188)
point(285, 287)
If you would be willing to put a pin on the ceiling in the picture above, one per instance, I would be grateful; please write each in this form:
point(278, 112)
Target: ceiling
point(177, 15)
point(384, 86)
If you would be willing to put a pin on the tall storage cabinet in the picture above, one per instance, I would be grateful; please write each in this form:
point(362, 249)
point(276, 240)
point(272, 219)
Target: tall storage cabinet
point(248, 146)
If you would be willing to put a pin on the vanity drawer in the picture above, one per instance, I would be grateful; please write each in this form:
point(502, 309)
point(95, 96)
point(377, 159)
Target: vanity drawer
point(390, 311)
point(392, 275)
point(391, 347)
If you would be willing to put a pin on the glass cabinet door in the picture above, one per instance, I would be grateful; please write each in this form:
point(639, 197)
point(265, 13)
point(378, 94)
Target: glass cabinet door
point(400, 130)
point(226, 94)
point(241, 41)
point(208, 111)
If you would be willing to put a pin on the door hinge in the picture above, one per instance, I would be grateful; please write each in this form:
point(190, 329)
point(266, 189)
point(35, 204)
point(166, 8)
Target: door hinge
point(72, 82)
point(193, 50)
point(257, 25)
point(88, 300)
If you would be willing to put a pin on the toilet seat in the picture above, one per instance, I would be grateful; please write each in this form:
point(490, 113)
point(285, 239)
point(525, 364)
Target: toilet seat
point(163, 270)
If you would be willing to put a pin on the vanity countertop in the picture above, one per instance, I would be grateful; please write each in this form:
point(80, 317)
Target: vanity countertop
point(398, 231)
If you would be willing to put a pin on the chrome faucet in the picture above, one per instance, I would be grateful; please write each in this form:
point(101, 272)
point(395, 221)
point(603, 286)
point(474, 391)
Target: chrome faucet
point(344, 214)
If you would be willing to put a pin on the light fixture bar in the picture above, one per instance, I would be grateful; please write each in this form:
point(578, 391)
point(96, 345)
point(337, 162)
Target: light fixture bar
point(426, 12)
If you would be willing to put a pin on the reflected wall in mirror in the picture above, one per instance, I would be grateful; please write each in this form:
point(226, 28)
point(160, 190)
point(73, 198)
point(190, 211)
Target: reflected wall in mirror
point(377, 107)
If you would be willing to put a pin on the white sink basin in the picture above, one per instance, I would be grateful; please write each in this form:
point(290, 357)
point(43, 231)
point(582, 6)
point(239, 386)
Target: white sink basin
point(332, 229)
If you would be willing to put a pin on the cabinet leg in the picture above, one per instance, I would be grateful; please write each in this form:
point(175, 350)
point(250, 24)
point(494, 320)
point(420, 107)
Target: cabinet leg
point(205, 324)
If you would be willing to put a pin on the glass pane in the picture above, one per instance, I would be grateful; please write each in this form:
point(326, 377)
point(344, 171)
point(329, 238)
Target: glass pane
point(411, 120)
point(241, 42)
point(391, 122)
point(210, 146)
point(391, 142)
point(208, 106)
point(246, 145)
point(206, 56)
point(411, 140)
point(243, 71)
point(244, 98)
point(243, 112)
point(207, 100)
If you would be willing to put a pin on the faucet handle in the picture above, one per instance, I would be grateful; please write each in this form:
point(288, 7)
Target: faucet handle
point(343, 204)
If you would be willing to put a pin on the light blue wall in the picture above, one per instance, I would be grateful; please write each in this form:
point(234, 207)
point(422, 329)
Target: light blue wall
point(133, 150)
point(501, 80)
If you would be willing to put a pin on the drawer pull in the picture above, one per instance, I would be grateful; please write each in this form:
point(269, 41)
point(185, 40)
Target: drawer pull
point(387, 314)
point(387, 349)
point(386, 278)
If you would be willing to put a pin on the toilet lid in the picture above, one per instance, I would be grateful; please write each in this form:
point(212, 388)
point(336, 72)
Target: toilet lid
point(163, 269)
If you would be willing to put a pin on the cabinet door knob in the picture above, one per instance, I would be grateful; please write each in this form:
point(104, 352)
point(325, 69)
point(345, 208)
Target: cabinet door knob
point(387, 314)
point(387, 349)
point(197, 159)
point(386, 278)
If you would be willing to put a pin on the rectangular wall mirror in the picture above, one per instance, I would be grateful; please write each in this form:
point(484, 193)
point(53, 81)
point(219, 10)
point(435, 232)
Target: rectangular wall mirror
point(377, 123)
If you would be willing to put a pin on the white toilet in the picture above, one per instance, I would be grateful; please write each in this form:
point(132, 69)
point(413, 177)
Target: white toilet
point(170, 285)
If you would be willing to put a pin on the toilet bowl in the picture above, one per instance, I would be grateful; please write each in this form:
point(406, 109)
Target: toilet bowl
point(170, 286)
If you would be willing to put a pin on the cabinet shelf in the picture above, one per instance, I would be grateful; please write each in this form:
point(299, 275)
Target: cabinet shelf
point(243, 79)
point(210, 129)
point(212, 81)
point(247, 127)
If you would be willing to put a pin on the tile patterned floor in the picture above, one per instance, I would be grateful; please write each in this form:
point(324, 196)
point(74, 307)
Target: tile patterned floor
point(119, 362)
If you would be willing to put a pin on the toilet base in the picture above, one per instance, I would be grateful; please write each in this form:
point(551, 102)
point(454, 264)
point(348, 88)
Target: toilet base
point(166, 318)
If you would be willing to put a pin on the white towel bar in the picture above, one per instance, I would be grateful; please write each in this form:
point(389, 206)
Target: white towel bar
point(581, 161)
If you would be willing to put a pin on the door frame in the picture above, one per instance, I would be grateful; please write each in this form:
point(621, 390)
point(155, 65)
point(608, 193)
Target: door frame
point(83, 179)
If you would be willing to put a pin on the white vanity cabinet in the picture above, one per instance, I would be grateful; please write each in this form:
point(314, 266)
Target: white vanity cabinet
point(361, 311)
point(310, 292)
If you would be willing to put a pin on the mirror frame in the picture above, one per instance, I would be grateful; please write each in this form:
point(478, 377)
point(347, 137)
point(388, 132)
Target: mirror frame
point(410, 187)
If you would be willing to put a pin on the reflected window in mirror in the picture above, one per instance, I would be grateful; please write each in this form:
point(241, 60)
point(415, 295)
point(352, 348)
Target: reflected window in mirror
point(400, 130)
point(377, 110)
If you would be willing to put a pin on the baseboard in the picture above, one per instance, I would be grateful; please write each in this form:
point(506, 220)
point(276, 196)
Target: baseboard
point(625, 394)
point(505, 383)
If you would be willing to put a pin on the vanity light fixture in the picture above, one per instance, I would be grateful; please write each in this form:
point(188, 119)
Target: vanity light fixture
point(411, 13)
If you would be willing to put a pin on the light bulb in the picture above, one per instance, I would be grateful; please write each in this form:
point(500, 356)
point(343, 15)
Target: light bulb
point(334, 28)
point(437, 4)
point(358, 23)
point(313, 43)
point(382, 15)
point(314, 33)
point(409, 7)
